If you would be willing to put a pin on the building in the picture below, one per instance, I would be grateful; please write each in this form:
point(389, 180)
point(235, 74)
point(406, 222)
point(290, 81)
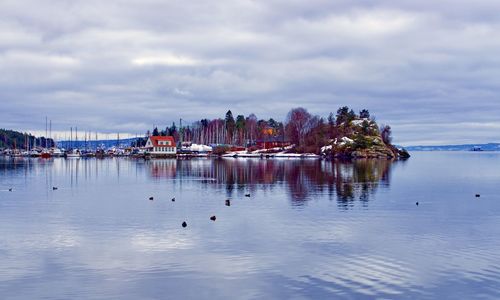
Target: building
point(161, 145)
point(272, 142)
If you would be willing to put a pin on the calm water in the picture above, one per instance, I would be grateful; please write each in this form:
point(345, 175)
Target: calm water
point(311, 229)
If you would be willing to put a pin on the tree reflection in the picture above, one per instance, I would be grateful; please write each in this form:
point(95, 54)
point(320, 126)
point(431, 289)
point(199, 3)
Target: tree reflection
point(303, 179)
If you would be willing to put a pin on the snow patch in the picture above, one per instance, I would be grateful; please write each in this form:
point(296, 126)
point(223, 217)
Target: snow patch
point(198, 148)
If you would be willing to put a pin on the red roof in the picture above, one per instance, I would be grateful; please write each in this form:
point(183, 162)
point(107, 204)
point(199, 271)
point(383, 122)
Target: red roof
point(156, 139)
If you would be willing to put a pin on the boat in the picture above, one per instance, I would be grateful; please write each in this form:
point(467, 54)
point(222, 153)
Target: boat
point(16, 153)
point(74, 153)
point(56, 152)
point(45, 154)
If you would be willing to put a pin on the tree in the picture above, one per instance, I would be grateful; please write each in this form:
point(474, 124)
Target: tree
point(385, 134)
point(296, 120)
point(344, 115)
point(251, 127)
point(230, 126)
point(364, 114)
point(331, 119)
point(240, 128)
point(272, 123)
point(172, 131)
point(155, 132)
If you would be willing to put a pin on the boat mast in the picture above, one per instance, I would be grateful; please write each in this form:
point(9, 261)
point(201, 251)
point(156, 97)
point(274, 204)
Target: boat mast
point(50, 133)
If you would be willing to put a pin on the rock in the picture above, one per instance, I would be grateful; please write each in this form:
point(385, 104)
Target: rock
point(10, 190)
point(173, 199)
point(403, 154)
point(184, 224)
point(228, 202)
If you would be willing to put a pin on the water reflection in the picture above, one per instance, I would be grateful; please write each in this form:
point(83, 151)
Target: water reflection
point(348, 181)
point(303, 180)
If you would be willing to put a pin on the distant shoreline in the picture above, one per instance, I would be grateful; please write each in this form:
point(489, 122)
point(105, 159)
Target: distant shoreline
point(490, 147)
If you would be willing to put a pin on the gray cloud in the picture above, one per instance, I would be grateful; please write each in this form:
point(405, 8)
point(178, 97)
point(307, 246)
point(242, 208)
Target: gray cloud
point(429, 69)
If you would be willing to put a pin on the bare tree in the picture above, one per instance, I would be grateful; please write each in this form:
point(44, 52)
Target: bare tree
point(296, 120)
point(385, 134)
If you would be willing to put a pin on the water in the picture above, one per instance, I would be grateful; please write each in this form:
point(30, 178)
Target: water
point(310, 229)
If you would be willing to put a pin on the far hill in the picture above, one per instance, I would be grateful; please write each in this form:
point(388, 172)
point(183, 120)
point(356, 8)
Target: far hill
point(463, 147)
point(98, 144)
point(19, 140)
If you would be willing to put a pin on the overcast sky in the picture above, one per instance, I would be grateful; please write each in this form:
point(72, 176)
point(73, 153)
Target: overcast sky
point(430, 69)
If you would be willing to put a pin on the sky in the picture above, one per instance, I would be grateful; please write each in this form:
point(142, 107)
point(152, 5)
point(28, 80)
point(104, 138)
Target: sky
point(429, 69)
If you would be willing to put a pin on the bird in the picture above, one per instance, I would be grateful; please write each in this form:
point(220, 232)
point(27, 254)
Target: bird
point(54, 188)
point(247, 195)
point(416, 204)
point(151, 198)
point(477, 195)
point(184, 224)
point(173, 199)
point(10, 189)
point(213, 218)
point(228, 202)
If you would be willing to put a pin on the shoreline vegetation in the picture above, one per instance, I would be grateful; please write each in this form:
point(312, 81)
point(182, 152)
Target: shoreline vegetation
point(343, 135)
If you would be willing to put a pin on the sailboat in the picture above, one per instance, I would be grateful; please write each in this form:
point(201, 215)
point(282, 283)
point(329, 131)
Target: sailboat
point(73, 153)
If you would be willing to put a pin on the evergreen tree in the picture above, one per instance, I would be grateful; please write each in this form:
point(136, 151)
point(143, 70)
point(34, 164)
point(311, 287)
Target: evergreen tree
point(240, 127)
point(364, 114)
point(230, 125)
point(155, 132)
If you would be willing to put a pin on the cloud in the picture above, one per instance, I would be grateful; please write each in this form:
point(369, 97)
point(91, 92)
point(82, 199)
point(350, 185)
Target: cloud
point(168, 60)
point(120, 66)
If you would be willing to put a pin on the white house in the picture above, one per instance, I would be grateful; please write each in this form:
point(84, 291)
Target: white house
point(161, 145)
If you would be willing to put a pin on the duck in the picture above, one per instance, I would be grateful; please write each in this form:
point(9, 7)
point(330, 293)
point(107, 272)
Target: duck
point(247, 195)
point(184, 224)
point(173, 199)
point(416, 204)
point(54, 188)
point(228, 202)
point(10, 189)
point(477, 195)
point(213, 218)
point(151, 198)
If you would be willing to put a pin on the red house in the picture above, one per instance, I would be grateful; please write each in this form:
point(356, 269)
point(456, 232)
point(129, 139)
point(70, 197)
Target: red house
point(161, 145)
point(272, 142)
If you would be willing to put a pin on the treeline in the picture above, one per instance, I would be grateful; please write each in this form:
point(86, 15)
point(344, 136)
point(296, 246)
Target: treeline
point(238, 131)
point(18, 140)
point(306, 131)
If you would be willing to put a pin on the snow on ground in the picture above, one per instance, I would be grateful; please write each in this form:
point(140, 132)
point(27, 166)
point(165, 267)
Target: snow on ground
point(359, 122)
point(343, 141)
point(324, 149)
point(198, 148)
